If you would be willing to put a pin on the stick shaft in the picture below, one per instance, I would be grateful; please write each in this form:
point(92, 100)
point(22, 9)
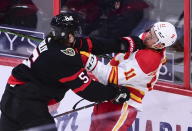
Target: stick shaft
point(71, 111)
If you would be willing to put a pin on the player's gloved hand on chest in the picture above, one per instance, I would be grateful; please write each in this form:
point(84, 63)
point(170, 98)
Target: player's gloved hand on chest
point(123, 95)
point(133, 43)
point(89, 60)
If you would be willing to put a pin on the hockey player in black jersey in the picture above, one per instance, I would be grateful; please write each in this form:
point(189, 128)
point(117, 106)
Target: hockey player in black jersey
point(54, 67)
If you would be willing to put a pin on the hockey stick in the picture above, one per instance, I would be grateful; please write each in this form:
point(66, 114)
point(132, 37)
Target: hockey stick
point(74, 107)
point(74, 110)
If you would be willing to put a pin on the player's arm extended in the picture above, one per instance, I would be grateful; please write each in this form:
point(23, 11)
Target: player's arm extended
point(77, 79)
point(99, 46)
point(94, 91)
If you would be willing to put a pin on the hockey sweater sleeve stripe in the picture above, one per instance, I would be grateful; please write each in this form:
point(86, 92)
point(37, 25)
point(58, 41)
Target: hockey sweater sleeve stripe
point(13, 81)
point(70, 78)
point(113, 76)
point(81, 88)
point(90, 44)
point(136, 95)
point(135, 98)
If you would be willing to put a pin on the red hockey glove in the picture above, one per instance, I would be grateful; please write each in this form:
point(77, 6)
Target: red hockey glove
point(89, 60)
point(134, 43)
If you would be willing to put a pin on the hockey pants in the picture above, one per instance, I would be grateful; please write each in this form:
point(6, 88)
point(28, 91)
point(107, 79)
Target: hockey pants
point(112, 117)
point(20, 113)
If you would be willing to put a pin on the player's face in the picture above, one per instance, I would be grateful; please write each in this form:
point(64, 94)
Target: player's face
point(150, 38)
point(71, 40)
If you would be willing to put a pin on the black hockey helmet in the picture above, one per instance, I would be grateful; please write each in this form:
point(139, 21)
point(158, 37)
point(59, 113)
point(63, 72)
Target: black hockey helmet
point(65, 23)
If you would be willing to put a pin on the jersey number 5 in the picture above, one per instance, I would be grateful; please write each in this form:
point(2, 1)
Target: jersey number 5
point(83, 77)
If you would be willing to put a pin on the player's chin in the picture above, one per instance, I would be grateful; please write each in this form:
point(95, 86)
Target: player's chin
point(146, 43)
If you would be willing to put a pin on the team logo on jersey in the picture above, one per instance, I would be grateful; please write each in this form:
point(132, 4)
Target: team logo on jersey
point(69, 51)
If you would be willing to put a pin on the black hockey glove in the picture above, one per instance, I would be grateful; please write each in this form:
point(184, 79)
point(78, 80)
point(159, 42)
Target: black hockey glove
point(123, 94)
point(133, 43)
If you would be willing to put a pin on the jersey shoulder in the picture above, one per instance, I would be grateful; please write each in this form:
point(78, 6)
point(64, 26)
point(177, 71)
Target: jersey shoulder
point(148, 60)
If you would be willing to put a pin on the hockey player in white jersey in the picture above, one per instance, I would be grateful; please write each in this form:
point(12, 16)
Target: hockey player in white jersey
point(137, 71)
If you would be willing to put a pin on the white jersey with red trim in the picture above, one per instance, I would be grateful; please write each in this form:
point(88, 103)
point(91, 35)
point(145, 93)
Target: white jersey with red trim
point(138, 71)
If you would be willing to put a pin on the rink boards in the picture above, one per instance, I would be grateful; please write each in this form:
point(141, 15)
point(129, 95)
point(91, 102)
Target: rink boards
point(161, 111)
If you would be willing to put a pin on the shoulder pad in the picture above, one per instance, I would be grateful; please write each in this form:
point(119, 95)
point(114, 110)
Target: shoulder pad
point(148, 60)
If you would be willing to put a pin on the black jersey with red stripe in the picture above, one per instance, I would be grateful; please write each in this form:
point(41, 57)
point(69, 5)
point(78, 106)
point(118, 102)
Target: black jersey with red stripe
point(55, 68)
